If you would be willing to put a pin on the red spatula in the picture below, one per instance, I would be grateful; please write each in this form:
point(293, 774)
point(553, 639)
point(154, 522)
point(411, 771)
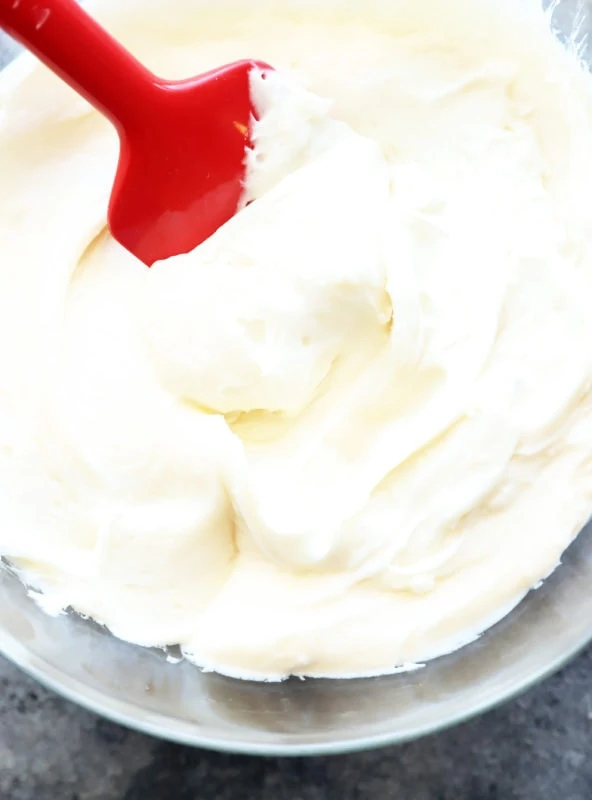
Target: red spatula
point(182, 156)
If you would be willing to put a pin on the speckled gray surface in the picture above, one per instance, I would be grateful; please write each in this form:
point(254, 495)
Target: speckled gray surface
point(537, 747)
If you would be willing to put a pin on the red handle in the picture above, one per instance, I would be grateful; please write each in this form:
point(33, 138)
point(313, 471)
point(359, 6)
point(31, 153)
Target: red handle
point(81, 52)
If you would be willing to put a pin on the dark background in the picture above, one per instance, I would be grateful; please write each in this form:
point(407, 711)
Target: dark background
point(536, 747)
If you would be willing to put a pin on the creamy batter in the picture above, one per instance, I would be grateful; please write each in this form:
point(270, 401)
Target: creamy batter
point(352, 429)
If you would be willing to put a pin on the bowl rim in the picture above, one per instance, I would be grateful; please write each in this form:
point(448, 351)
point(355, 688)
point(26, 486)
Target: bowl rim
point(133, 717)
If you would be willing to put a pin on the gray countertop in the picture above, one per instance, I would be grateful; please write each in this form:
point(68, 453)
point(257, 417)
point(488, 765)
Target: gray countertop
point(536, 747)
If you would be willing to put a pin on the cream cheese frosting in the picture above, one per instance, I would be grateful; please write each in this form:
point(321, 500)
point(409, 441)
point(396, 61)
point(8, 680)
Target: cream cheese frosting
point(353, 428)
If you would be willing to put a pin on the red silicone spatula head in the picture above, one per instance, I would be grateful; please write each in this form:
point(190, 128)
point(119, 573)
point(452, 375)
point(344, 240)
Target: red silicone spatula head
point(182, 165)
point(183, 143)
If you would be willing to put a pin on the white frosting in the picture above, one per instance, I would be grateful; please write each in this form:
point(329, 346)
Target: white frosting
point(353, 428)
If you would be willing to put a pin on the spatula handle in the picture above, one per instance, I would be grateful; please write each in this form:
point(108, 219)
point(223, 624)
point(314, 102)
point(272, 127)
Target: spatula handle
point(69, 41)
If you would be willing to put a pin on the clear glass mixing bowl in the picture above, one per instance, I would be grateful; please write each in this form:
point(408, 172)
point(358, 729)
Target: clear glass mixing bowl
point(140, 688)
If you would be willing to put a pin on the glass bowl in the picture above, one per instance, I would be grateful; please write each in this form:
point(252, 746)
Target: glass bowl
point(142, 689)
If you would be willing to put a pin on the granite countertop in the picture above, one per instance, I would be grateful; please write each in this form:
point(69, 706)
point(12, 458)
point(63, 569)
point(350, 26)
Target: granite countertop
point(536, 747)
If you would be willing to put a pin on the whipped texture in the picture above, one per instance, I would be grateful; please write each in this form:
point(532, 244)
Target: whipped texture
point(353, 428)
